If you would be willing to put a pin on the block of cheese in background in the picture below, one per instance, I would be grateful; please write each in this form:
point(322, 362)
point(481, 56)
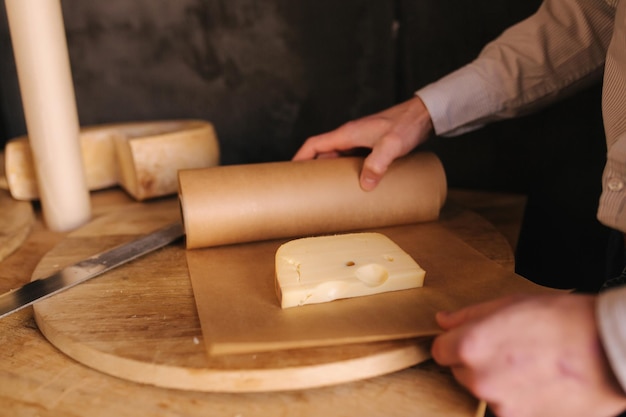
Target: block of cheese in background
point(143, 157)
point(326, 268)
point(149, 162)
point(98, 159)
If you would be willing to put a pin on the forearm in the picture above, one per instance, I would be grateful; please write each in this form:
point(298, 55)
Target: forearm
point(530, 65)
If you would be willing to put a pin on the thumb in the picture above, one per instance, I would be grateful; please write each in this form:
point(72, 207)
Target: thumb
point(369, 179)
point(375, 166)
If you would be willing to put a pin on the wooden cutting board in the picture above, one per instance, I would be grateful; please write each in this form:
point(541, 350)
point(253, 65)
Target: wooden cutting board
point(140, 322)
point(16, 222)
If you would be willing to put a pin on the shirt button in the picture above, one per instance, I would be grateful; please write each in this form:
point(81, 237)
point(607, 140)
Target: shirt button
point(615, 184)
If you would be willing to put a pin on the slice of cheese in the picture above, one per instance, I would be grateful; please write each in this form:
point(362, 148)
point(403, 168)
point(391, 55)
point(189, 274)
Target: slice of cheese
point(326, 268)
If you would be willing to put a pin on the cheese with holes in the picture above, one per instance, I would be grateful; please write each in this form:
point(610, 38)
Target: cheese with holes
point(326, 268)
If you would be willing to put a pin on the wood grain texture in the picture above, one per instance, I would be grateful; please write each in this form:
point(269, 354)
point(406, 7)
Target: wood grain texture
point(139, 322)
point(37, 379)
point(16, 223)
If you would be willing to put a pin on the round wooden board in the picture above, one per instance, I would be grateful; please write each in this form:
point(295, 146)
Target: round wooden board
point(16, 223)
point(139, 321)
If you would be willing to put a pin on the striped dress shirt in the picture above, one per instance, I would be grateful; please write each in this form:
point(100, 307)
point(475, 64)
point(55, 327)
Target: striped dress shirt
point(565, 46)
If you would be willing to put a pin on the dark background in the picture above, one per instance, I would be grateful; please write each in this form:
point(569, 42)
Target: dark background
point(270, 73)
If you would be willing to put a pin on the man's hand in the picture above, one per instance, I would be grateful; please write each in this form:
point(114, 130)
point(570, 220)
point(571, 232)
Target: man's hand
point(390, 134)
point(531, 356)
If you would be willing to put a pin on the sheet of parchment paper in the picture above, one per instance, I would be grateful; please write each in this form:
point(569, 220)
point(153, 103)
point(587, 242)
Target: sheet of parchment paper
point(240, 312)
point(254, 202)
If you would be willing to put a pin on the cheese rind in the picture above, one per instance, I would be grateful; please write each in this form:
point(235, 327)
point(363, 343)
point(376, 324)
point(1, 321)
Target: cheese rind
point(98, 161)
point(149, 162)
point(143, 157)
point(326, 268)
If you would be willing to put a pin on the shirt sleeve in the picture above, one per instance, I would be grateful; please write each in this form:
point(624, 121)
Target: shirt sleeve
point(612, 210)
point(558, 50)
point(611, 311)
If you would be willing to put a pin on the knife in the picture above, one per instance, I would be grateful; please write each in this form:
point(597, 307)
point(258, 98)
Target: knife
point(88, 268)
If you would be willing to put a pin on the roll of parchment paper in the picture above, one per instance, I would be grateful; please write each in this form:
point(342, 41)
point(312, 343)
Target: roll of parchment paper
point(245, 203)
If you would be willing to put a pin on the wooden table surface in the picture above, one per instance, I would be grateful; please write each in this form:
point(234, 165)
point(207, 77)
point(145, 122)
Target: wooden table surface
point(36, 379)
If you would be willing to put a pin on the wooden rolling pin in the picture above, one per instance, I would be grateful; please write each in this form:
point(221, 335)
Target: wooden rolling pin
point(47, 93)
point(143, 157)
point(244, 203)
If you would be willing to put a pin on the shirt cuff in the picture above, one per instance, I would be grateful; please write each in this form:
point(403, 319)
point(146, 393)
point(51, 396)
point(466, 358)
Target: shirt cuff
point(459, 102)
point(612, 207)
point(611, 314)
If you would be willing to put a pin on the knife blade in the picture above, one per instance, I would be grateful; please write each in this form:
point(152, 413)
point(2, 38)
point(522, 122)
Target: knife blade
point(88, 268)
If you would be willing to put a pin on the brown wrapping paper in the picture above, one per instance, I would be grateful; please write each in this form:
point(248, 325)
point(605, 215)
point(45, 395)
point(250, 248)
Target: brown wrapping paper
point(237, 216)
point(240, 312)
point(246, 203)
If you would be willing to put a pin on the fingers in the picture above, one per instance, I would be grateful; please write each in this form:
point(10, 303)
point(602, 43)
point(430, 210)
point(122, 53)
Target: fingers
point(446, 348)
point(317, 146)
point(368, 133)
point(355, 134)
point(389, 134)
point(448, 320)
point(463, 342)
